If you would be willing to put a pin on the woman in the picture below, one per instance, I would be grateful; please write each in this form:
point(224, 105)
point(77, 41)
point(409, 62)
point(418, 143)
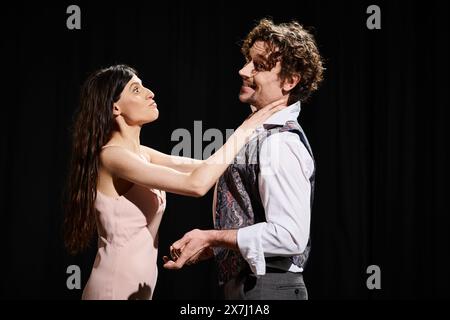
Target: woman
point(117, 186)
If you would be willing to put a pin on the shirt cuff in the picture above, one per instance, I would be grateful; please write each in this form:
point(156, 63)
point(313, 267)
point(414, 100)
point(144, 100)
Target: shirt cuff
point(250, 246)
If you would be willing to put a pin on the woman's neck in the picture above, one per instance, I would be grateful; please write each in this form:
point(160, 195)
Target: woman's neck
point(127, 136)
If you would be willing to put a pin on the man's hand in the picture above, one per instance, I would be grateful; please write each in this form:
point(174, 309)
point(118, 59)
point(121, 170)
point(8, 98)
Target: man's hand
point(195, 246)
point(204, 254)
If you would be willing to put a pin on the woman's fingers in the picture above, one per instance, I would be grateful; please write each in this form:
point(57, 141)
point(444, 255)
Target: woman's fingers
point(271, 108)
point(258, 117)
point(276, 109)
point(275, 104)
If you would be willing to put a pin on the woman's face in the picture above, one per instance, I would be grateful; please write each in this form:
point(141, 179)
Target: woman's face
point(136, 104)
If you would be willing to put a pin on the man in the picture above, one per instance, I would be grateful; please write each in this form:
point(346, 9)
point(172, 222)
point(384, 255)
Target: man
point(262, 203)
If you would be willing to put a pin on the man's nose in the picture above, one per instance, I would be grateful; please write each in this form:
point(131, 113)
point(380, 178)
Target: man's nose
point(246, 71)
point(151, 95)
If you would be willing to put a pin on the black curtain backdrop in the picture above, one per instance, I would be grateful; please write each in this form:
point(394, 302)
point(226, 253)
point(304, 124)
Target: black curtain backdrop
point(377, 127)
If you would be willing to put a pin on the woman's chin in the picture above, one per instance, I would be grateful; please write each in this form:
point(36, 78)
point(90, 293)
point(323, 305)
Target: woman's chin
point(154, 117)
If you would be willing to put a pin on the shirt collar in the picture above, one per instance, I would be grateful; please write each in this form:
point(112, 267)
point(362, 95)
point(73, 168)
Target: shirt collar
point(289, 113)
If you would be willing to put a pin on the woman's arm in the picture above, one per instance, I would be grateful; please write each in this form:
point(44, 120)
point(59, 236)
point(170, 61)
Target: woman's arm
point(182, 164)
point(127, 165)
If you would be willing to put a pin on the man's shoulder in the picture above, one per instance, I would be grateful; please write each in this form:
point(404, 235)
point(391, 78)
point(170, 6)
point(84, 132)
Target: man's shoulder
point(285, 144)
point(280, 144)
point(282, 136)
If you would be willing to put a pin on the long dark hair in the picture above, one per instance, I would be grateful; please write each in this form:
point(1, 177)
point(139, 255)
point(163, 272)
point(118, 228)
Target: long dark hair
point(92, 128)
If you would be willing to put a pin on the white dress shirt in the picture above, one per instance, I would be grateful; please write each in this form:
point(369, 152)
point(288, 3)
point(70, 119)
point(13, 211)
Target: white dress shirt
point(285, 169)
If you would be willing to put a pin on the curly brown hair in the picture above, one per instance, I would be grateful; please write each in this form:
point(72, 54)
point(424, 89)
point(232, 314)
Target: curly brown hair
point(296, 49)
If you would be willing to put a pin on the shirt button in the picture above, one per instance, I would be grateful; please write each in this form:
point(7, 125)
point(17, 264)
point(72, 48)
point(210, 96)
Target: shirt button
point(296, 291)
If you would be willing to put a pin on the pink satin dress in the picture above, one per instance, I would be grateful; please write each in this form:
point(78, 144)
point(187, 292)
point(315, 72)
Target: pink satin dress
point(125, 266)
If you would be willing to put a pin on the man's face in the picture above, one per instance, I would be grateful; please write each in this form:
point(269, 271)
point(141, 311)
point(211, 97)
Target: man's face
point(259, 86)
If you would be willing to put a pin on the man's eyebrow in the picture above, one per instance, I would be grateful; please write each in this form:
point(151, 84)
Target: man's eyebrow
point(260, 57)
point(256, 53)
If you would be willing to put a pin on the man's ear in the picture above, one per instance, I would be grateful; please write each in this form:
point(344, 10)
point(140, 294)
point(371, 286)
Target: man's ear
point(116, 109)
point(291, 82)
